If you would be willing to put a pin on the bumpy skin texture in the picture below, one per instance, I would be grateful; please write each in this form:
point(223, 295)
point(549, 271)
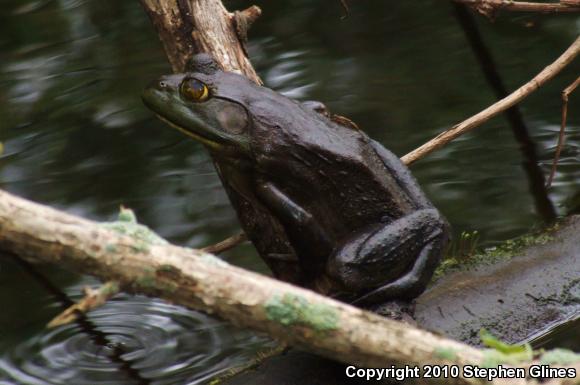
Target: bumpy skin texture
point(326, 206)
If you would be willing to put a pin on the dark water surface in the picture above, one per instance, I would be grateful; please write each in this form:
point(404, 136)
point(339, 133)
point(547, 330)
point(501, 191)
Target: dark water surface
point(78, 138)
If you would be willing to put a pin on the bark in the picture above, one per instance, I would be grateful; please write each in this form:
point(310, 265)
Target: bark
point(189, 27)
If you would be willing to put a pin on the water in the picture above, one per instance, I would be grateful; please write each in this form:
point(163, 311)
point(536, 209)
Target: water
point(78, 138)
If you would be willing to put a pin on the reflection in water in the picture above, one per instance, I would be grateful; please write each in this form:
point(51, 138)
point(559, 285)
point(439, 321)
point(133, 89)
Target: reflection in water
point(77, 137)
point(562, 335)
point(544, 206)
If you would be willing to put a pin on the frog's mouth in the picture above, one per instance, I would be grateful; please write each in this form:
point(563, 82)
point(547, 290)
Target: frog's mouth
point(197, 137)
point(162, 105)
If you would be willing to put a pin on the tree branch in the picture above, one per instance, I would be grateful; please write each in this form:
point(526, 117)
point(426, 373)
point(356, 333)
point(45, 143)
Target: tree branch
point(515, 97)
point(186, 27)
point(489, 8)
point(197, 280)
point(200, 281)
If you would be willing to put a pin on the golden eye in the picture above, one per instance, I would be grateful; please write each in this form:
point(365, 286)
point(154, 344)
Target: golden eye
point(194, 90)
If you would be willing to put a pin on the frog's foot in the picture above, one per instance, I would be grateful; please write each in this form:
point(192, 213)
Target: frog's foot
point(402, 255)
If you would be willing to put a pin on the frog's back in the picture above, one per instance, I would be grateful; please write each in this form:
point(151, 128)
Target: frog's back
point(356, 181)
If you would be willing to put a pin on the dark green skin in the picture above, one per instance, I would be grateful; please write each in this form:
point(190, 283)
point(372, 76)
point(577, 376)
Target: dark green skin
point(326, 206)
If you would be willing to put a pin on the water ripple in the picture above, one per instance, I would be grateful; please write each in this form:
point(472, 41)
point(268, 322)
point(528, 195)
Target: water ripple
point(131, 340)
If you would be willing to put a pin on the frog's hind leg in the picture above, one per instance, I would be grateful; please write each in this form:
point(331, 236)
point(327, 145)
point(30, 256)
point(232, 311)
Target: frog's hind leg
point(402, 255)
point(410, 285)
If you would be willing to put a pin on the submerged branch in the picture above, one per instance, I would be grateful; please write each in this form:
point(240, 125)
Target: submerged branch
point(565, 94)
point(537, 185)
point(92, 299)
point(515, 97)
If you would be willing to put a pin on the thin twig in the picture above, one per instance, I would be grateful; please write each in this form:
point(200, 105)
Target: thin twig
point(490, 7)
point(515, 97)
point(93, 299)
point(567, 91)
point(344, 5)
point(226, 244)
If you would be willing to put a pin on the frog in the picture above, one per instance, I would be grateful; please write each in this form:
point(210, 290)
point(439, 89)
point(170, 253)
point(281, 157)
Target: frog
point(327, 207)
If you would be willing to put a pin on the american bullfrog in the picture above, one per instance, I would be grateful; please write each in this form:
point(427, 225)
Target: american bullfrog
point(326, 206)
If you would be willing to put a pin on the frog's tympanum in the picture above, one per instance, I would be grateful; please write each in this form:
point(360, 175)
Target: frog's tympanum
point(326, 206)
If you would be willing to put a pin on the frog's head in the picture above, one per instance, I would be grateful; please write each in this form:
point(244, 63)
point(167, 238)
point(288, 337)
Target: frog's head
point(206, 104)
point(237, 119)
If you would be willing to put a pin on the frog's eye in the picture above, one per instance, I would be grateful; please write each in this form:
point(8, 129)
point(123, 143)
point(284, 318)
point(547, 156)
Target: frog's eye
point(194, 90)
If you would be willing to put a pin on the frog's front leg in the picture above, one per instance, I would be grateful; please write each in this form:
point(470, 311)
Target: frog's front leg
point(304, 232)
point(392, 261)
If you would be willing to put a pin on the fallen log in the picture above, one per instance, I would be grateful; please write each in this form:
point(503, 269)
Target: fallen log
point(143, 263)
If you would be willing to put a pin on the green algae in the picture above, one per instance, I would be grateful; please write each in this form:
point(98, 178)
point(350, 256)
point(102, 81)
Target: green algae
point(448, 354)
point(126, 224)
point(503, 353)
point(291, 310)
point(150, 280)
point(559, 357)
point(495, 254)
point(110, 248)
point(165, 268)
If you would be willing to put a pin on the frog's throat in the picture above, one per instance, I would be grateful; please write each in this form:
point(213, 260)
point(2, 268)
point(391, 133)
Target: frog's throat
point(209, 143)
